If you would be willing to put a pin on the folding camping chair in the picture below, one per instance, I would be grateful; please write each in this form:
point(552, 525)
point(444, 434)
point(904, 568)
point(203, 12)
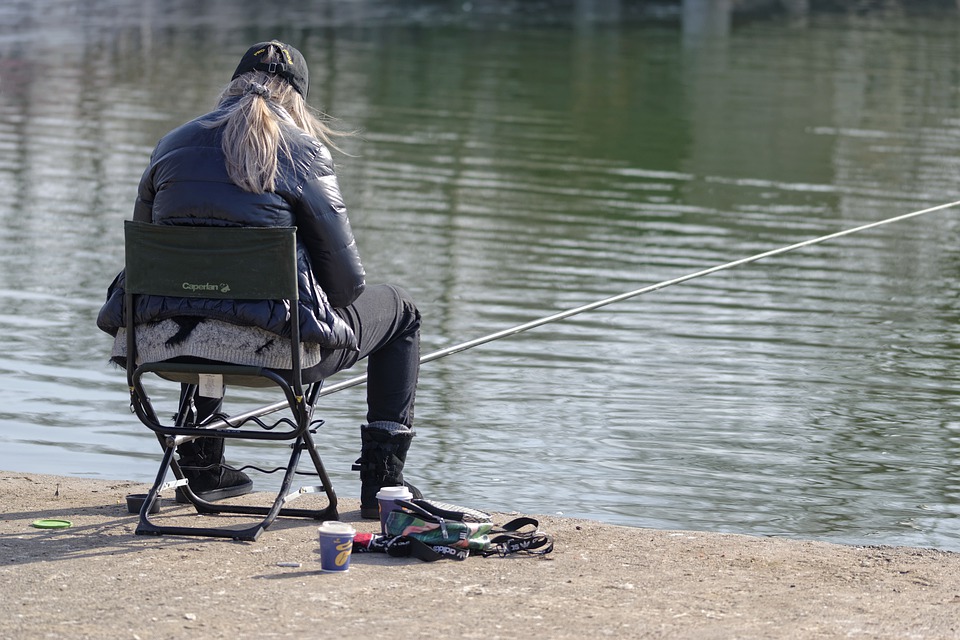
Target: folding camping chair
point(243, 263)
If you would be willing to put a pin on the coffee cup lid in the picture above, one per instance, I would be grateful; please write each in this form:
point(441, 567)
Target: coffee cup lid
point(392, 493)
point(336, 527)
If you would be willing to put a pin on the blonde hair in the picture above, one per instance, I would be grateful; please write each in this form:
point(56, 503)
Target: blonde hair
point(253, 137)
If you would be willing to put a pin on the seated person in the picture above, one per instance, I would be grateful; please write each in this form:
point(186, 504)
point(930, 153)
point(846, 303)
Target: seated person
point(262, 159)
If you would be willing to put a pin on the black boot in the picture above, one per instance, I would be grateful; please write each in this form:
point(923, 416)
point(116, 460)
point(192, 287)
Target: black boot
point(383, 452)
point(208, 476)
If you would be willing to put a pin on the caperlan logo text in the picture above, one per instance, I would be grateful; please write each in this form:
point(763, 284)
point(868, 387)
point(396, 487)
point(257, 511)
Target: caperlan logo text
point(209, 286)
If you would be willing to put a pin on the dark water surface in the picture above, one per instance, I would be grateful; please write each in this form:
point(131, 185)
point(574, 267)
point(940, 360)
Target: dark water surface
point(507, 169)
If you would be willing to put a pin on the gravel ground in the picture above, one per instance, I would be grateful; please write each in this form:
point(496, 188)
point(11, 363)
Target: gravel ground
point(97, 579)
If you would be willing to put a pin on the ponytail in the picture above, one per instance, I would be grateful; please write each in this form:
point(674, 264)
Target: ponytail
point(253, 137)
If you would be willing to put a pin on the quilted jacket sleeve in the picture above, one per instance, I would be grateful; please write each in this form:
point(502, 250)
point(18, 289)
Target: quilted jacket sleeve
point(325, 231)
point(143, 207)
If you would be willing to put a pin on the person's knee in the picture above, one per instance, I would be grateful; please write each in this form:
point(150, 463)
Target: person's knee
point(406, 306)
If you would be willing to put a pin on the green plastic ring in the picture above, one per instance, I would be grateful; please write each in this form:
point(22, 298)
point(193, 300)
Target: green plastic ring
point(51, 523)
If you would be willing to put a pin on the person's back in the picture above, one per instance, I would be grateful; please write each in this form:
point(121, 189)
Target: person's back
point(188, 184)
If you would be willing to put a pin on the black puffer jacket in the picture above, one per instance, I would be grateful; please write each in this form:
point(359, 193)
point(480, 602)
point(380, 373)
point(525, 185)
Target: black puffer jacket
point(187, 184)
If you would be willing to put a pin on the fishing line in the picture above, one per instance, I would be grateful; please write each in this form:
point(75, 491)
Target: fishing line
point(470, 344)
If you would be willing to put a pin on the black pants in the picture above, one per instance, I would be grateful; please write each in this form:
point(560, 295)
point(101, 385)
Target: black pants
point(387, 325)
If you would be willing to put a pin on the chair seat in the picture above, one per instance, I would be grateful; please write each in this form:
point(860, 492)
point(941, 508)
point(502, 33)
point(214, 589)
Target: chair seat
point(309, 375)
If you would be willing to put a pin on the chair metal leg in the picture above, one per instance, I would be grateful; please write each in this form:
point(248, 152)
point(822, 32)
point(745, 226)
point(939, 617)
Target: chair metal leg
point(249, 533)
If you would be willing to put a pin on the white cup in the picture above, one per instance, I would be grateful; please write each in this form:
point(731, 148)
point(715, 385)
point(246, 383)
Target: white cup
point(387, 497)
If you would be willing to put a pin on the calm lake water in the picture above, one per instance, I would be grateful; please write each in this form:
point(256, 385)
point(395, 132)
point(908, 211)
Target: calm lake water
point(508, 167)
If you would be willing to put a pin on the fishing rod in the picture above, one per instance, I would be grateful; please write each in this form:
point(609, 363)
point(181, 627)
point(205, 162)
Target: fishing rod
point(476, 342)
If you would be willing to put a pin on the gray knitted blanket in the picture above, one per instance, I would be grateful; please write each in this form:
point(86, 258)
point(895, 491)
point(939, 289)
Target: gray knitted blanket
point(216, 340)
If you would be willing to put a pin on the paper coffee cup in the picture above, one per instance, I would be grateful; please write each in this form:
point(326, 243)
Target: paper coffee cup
point(336, 544)
point(387, 497)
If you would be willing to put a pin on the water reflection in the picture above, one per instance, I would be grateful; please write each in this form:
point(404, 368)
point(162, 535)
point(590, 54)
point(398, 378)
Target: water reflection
point(508, 169)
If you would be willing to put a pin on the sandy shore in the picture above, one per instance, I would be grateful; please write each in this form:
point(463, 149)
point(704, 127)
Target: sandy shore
point(97, 579)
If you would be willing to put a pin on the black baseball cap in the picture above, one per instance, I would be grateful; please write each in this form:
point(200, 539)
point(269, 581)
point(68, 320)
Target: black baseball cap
point(292, 66)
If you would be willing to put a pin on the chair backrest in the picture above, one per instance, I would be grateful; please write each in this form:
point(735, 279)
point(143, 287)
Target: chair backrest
point(238, 263)
point(241, 263)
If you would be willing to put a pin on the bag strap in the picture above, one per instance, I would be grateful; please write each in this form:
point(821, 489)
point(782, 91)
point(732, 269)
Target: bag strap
point(521, 535)
point(536, 543)
point(433, 511)
point(404, 547)
point(412, 507)
point(517, 525)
